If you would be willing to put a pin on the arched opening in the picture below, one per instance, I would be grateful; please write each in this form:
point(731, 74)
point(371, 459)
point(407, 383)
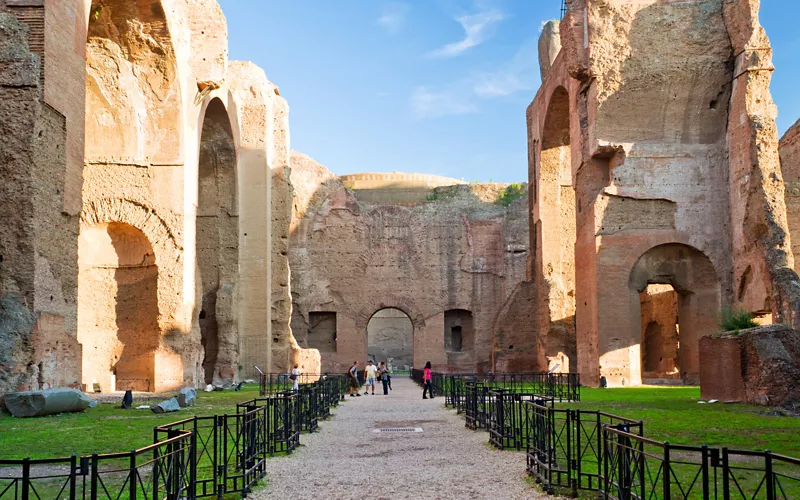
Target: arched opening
point(556, 230)
point(660, 333)
point(117, 307)
point(132, 94)
point(390, 338)
point(675, 313)
point(217, 244)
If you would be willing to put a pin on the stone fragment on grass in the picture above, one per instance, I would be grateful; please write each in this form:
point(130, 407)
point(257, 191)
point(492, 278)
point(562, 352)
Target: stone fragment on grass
point(187, 397)
point(167, 406)
point(46, 402)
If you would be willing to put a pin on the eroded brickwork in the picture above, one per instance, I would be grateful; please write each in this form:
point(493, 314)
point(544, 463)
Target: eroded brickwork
point(423, 250)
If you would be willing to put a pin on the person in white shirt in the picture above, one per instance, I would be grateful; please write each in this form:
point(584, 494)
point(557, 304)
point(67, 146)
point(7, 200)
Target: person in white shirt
point(295, 377)
point(369, 374)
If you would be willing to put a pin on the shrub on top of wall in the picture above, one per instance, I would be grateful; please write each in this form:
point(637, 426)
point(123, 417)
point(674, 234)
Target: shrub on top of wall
point(510, 193)
point(733, 320)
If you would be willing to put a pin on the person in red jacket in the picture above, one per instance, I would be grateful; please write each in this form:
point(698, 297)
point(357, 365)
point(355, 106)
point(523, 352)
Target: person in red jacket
point(426, 381)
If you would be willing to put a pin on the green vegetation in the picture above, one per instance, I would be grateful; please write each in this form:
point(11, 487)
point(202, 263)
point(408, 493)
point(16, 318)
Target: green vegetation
point(432, 197)
point(510, 193)
point(672, 414)
point(104, 429)
point(733, 320)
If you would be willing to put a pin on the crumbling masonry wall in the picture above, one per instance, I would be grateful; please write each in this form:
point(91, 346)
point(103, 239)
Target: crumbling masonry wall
point(135, 131)
point(687, 194)
point(421, 250)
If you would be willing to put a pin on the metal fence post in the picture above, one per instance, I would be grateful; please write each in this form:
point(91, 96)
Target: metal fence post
point(73, 472)
point(770, 480)
point(93, 487)
point(726, 491)
point(26, 477)
point(667, 470)
point(132, 474)
point(704, 454)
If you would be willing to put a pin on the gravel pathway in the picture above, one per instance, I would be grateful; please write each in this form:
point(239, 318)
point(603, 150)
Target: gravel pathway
point(346, 459)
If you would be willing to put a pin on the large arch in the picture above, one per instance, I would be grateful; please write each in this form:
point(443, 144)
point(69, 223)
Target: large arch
point(694, 279)
point(217, 232)
point(125, 246)
point(118, 307)
point(390, 338)
point(133, 99)
point(556, 232)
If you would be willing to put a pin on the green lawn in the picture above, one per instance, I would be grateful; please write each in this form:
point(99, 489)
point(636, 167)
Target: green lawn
point(673, 414)
point(104, 429)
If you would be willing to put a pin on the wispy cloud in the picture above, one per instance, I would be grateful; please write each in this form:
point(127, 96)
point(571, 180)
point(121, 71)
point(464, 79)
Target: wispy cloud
point(517, 75)
point(427, 104)
point(393, 17)
point(478, 28)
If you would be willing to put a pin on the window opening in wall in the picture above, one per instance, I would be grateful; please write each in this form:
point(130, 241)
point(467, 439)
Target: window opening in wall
point(458, 331)
point(455, 339)
point(321, 331)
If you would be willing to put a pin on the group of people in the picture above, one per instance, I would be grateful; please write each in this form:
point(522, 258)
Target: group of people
point(382, 373)
point(372, 373)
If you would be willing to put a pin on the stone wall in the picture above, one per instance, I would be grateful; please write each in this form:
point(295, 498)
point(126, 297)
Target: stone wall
point(130, 124)
point(757, 366)
point(686, 195)
point(457, 250)
point(790, 168)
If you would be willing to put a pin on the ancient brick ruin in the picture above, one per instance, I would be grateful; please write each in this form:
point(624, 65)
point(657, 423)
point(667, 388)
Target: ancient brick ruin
point(157, 231)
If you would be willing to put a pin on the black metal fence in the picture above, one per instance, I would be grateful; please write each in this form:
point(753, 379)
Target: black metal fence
point(198, 457)
point(578, 450)
point(558, 386)
point(636, 467)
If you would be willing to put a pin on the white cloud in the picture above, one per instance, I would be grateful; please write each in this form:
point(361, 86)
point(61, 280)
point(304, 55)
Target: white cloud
point(519, 74)
point(478, 28)
point(426, 104)
point(393, 17)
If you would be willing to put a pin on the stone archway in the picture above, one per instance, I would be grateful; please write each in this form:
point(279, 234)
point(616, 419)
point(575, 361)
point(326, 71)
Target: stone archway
point(217, 233)
point(118, 307)
point(556, 232)
point(390, 337)
point(133, 100)
point(695, 282)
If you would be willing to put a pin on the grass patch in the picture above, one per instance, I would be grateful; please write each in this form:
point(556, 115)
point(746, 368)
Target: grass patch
point(510, 193)
point(104, 429)
point(672, 414)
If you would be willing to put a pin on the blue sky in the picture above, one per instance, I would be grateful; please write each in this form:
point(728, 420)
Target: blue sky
point(431, 86)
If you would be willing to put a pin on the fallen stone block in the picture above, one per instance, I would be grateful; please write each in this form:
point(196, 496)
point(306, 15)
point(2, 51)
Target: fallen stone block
point(167, 406)
point(187, 397)
point(46, 402)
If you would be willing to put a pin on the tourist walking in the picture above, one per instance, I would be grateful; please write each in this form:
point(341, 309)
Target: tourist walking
point(383, 374)
point(426, 381)
point(295, 377)
point(353, 372)
point(369, 373)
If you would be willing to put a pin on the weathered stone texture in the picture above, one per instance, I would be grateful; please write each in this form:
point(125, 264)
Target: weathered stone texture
point(137, 121)
point(790, 168)
point(353, 258)
point(687, 194)
point(38, 258)
point(759, 366)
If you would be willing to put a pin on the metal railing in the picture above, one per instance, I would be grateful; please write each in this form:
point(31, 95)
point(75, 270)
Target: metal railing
point(197, 457)
point(635, 467)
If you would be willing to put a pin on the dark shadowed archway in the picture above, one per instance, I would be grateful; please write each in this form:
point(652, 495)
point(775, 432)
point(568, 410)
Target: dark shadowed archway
point(118, 307)
point(390, 338)
point(217, 244)
point(693, 277)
